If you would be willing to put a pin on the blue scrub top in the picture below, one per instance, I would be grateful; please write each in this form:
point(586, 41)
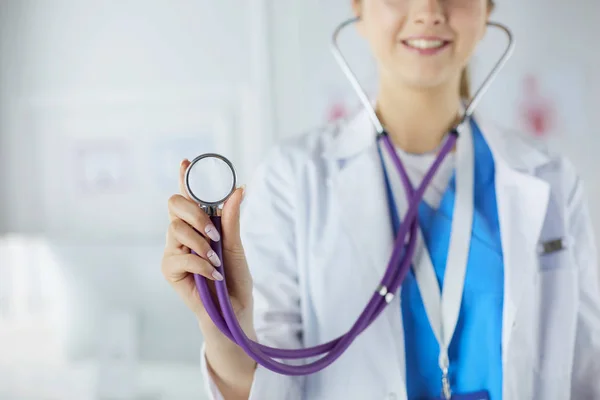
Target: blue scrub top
point(475, 351)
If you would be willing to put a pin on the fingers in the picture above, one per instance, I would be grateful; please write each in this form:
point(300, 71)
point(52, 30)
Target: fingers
point(182, 168)
point(181, 234)
point(230, 219)
point(188, 211)
point(176, 268)
point(187, 220)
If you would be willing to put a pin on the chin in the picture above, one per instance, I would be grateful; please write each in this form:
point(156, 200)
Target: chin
point(424, 76)
point(433, 82)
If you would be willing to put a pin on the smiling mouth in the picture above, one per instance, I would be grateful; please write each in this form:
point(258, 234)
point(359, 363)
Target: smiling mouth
point(428, 46)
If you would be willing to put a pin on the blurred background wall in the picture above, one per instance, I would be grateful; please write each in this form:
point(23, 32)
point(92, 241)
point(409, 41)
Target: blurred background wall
point(100, 100)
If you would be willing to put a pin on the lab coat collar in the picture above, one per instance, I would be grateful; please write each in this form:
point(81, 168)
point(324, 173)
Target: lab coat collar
point(356, 134)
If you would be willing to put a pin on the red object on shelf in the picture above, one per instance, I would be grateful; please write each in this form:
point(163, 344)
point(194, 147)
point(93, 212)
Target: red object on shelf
point(537, 110)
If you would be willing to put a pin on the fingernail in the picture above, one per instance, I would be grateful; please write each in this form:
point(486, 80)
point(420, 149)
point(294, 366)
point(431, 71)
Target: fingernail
point(217, 275)
point(182, 161)
point(212, 233)
point(214, 258)
point(243, 187)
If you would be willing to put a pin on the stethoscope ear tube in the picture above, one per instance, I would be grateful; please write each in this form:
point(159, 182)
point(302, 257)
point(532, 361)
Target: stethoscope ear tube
point(494, 72)
point(366, 102)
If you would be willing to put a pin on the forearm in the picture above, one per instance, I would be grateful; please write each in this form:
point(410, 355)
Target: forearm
point(231, 369)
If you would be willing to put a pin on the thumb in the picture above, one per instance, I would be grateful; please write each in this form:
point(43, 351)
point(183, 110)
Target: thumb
point(230, 221)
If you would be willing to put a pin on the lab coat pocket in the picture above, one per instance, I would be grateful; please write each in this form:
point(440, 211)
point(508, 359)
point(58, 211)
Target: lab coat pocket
point(557, 311)
point(554, 254)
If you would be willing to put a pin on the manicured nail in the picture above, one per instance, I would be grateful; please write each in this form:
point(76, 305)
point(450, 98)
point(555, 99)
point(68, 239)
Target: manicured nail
point(217, 275)
point(214, 258)
point(212, 233)
point(242, 188)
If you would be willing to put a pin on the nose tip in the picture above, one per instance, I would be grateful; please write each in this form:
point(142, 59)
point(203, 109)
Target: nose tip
point(430, 19)
point(429, 12)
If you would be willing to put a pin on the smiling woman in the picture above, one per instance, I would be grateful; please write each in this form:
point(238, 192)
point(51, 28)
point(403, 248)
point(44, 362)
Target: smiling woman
point(472, 318)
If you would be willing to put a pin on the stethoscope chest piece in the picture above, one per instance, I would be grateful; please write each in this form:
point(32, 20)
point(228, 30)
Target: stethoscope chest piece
point(209, 180)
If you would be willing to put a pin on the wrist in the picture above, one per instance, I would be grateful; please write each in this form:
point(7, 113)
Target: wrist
point(228, 364)
point(211, 332)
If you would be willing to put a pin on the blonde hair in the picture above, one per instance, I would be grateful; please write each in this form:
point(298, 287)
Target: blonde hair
point(465, 84)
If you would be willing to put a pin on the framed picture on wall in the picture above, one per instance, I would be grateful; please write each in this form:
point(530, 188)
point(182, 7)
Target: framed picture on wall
point(101, 167)
point(107, 169)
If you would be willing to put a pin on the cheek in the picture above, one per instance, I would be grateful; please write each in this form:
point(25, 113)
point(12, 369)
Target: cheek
point(384, 20)
point(469, 27)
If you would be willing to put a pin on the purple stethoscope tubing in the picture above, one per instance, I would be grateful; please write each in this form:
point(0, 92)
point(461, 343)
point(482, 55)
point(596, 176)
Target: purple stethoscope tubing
point(227, 323)
point(223, 314)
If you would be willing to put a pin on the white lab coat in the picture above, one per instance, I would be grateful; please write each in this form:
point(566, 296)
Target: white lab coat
point(317, 236)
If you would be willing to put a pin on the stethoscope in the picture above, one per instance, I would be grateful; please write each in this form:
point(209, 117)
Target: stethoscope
point(210, 197)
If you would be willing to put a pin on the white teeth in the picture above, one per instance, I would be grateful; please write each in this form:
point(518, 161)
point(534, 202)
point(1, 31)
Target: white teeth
point(425, 44)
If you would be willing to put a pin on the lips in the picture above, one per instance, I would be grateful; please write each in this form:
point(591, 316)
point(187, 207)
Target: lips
point(426, 45)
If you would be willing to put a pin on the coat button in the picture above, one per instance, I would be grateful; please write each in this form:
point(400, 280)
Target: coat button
point(392, 396)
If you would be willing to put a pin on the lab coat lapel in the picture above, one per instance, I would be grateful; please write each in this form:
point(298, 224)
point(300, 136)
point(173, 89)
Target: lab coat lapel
point(522, 200)
point(363, 206)
point(359, 189)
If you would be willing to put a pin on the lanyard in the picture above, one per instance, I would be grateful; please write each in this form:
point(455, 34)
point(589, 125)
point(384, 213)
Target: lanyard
point(442, 308)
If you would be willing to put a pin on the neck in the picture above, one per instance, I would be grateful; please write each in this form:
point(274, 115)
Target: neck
point(417, 121)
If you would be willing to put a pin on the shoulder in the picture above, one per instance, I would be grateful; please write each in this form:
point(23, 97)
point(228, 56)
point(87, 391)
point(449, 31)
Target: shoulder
point(302, 152)
point(536, 158)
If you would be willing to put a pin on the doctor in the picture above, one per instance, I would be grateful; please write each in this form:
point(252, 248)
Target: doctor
point(315, 235)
